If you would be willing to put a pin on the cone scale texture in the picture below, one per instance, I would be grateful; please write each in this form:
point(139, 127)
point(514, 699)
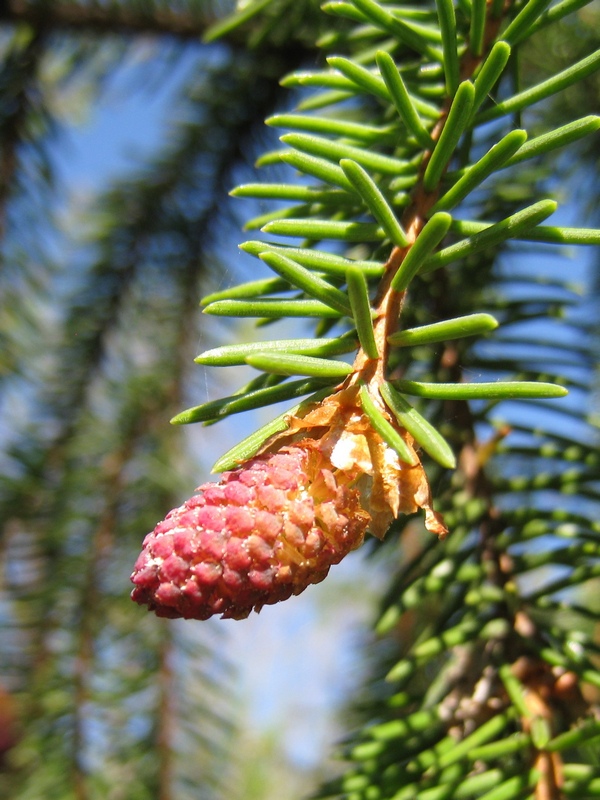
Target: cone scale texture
point(264, 532)
point(275, 525)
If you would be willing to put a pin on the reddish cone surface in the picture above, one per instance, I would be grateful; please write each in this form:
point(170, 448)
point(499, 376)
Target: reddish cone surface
point(261, 534)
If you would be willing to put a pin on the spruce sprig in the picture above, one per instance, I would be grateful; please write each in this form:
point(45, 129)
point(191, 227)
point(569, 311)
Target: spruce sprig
point(358, 172)
point(386, 180)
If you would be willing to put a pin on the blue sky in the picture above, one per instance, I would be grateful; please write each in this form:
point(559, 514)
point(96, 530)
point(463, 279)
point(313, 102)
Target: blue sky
point(128, 124)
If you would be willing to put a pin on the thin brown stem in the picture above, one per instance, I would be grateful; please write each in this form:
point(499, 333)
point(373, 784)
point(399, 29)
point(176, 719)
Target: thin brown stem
point(102, 19)
point(389, 302)
point(25, 66)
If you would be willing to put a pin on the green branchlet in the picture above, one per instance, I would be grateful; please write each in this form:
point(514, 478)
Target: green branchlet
point(330, 126)
point(271, 308)
point(524, 19)
point(359, 78)
point(500, 390)
point(384, 428)
point(236, 354)
point(496, 158)
point(490, 72)
point(306, 280)
point(294, 364)
point(244, 291)
point(560, 137)
point(319, 168)
point(224, 26)
point(402, 100)
point(552, 234)
point(420, 429)
point(235, 404)
point(447, 20)
point(318, 260)
point(416, 37)
point(335, 151)
point(251, 444)
point(356, 166)
point(361, 310)
point(458, 328)
point(509, 228)
point(477, 26)
point(458, 119)
point(326, 229)
point(375, 201)
point(291, 191)
point(567, 77)
point(432, 234)
point(362, 78)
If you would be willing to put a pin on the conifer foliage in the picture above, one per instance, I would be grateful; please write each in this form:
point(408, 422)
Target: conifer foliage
point(415, 114)
point(442, 396)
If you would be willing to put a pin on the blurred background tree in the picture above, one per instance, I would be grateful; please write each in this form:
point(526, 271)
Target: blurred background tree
point(99, 323)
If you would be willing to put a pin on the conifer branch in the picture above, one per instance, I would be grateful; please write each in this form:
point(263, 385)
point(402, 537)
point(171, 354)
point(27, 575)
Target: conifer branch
point(22, 67)
point(94, 18)
point(307, 487)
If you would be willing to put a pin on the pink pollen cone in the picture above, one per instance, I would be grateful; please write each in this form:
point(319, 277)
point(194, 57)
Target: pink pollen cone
point(264, 532)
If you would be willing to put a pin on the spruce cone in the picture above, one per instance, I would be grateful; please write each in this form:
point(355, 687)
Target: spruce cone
point(264, 532)
point(270, 528)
